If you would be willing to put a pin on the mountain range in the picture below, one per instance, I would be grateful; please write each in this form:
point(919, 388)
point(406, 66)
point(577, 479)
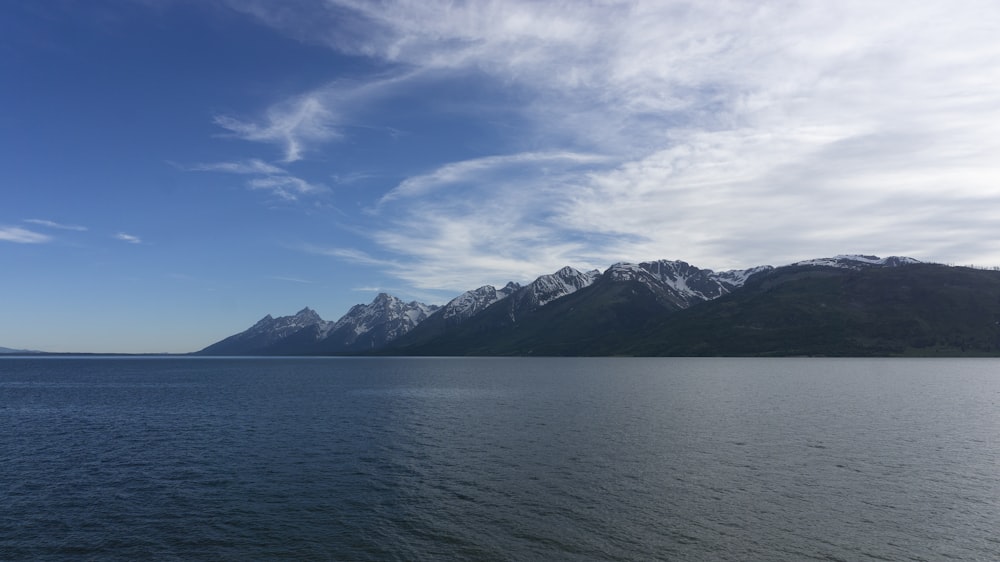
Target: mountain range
point(851, 305)
point(9, 351)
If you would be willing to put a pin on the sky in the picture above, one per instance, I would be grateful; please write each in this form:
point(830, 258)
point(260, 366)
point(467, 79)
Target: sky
point(173, 170)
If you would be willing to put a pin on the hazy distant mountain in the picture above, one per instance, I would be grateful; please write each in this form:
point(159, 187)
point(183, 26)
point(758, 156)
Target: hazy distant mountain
point(844, 305)
point(9, 350)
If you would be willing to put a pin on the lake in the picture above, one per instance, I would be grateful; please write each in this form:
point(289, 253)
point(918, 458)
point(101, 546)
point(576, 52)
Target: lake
point(499, 459)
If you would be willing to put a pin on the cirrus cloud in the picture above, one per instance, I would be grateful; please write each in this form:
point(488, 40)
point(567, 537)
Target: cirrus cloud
point(727, 134)
point(22, 236)
point(269, 177)
point(131, 239)
point(53, 224)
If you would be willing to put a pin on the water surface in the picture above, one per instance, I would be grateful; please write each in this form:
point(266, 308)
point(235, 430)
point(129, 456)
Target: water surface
point(499, 459)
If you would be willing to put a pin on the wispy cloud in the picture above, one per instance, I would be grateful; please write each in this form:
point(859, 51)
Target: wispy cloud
point(479, 170)
point(291, 125)
point(353, 177)
point(732, 133)
point(368, 289)
point(22, 235)
point(296, 280)
point(250, 166)
point(53, 224)
point(286, 187)
point(128, 238)
point(348, 254)
point(304, 122)
point(270, 177)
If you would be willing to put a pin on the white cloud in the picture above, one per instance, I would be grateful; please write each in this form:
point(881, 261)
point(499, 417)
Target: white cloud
point(368, 289)
point(286, 187)
point(291, 124)
point(22, 236)
point(52, 224)
point(477, 169)
point(348, 254)
point(128, 238)
point(271, 178)
point(302, 123)
point(251, 166)
point(733, 133)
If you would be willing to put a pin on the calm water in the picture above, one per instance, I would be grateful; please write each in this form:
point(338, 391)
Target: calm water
point(499, 459)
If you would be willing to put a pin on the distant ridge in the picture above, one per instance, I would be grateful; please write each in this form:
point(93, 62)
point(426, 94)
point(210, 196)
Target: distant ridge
point(7, 350)
point(363, 328)
point(844, 305)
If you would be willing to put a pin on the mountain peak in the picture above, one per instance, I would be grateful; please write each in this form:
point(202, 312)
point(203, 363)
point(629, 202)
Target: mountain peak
point(859, 261)
point(567, 280)
point(473, 302)
point(678, 282)
point(384, 299)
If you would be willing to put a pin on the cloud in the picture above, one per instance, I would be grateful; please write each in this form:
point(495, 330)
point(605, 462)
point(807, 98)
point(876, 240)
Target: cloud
point(251, 166)
point(291, 124)
point(726, 134)
point(286, 187)
point(271, 178)
point(128, 238)
point(297, 280)
point(348, 254)
point(301, 123)
point(52, 224)
point(478, 169)
point(22, 236)
point(368, 289)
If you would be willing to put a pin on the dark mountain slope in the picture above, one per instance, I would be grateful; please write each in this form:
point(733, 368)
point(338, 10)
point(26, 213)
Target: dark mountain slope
point(472, 326)
point(272, 336)
point(363, 328)
point(916, 309)
point(590, 321)
point(597, 318)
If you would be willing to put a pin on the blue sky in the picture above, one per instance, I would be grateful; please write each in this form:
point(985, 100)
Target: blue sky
point(173, 170)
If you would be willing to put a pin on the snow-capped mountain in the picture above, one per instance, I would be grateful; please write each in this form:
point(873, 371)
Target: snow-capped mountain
point(859, 261)
point(284, 326)
point(368, 326)
point(470, 303)
point(665, 286)
point(464, 308)
point(363, 327)
point(270, 333)
point(680, 283)
point(548, 288)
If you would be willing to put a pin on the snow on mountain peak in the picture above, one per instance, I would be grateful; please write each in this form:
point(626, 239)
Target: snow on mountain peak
point(472, 302)
point(264, 321)
point(858, 261)
point(386, 313)
point(680, 282)
point(547, 288)
point(307, 315)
